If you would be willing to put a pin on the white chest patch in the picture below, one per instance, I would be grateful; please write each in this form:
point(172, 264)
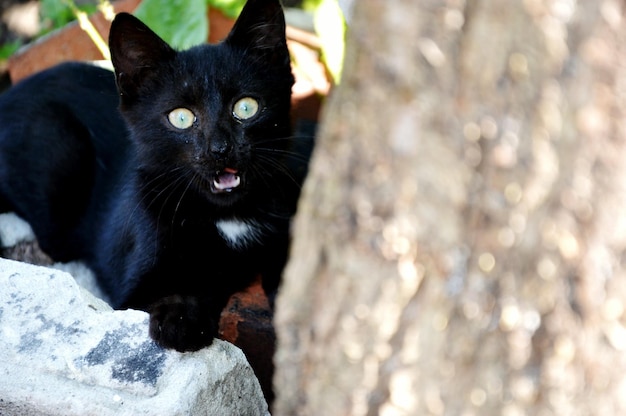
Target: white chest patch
point(239, 234)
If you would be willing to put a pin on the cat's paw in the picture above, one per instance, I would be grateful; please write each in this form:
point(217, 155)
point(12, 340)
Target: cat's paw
point(182, 323)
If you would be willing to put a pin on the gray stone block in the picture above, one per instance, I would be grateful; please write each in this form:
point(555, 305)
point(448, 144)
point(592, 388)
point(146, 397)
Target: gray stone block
point(65, 352)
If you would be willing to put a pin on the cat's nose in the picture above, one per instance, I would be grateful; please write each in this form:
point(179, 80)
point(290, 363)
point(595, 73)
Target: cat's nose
point(219, 147)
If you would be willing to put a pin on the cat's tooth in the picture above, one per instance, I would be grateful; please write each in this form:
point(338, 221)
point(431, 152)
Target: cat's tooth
point(226, 185)
point(218, 185)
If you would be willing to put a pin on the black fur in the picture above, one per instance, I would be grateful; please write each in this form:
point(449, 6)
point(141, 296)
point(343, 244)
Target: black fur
point(136, 197)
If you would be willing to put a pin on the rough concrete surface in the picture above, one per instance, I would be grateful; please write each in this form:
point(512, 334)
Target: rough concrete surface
point(65, 352)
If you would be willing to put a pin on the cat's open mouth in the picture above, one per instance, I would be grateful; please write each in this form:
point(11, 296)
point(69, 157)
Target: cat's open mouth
point(225, 181)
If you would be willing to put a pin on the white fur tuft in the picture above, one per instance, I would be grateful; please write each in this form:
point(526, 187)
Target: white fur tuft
point(239, 234)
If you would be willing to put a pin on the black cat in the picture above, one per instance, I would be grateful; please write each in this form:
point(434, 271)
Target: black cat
point(182, 199)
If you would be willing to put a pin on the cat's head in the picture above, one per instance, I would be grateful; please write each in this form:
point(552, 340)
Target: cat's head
point(215, 117)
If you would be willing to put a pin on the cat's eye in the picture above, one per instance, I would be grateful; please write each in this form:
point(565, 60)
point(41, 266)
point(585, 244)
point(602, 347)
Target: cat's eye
point(181, 118)
point(245, 108)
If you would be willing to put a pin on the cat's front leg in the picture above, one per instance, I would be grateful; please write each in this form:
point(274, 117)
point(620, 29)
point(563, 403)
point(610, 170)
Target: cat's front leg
point(184, 323)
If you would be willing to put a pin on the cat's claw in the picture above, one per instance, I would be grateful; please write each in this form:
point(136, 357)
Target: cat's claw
point(181, 323)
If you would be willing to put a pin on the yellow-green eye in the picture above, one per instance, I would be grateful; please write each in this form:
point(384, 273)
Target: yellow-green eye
point(181, 118)
point(245, 108)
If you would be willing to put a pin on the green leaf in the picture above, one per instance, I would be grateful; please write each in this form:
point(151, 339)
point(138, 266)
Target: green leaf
point(181, 23)
point(331, 29)
point(231, 8)
point(311, 5)
point(9, 49)
point(55, 13)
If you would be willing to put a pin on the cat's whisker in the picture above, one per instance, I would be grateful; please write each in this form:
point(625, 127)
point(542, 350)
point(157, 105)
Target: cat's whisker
point(292, 139)
point(190, 181)
point(146, 189)
point(289, 153)
point(278, 167)
point(171, 188)
point(283, 156)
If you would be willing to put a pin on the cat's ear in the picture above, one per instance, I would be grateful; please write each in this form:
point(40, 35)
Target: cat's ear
point(135, 51)
point(260, 31)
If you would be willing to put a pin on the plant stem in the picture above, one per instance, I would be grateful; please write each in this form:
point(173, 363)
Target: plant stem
point(87, 26)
